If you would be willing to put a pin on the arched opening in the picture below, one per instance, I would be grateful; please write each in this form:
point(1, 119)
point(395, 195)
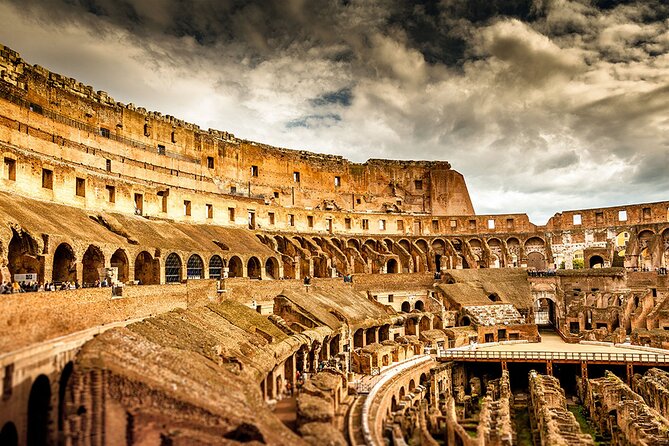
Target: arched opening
point(392, 267)
point(64, 264)
point(404, 243)
point(536, 260)
point(420, 306)
point(494, 261)
point(384, 333)
point(8, 435)
point(412, 385)
point(596, 262)
point(236, 267)
point(423, 380)
point(146, 269)
point(62, 388)
point(215, 267)
point(424, 323)
point(334, 345)
point(465, 321)
point(544, 312)
point(406, 307)
point(393, 404)
point(359, 338)
point(173, 268)
point(119, 260)
point(410, 327)
point(194, 267)
point(437, 323)
point(272, 268)
point(371, 335)
point(23, 258)
point(402, 393)
point(39, 403)
point(253, 268)
point(93, 262)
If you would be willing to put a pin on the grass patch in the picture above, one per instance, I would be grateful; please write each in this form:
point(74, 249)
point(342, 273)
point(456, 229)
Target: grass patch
point(583, 421)
point(521, 419)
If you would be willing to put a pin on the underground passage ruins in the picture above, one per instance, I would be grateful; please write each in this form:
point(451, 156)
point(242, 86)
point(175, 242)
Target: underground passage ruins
point(168, 285)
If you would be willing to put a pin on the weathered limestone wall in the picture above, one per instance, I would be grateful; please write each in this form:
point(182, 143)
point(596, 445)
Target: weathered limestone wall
point(35, 317)
point(556, 425)
point(623, 414)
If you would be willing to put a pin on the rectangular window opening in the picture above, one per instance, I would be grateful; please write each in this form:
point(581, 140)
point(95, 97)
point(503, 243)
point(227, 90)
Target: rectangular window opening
point(418, 184)
point(104, 132)
point(231, 215)
point(291, 220)
point(81, 187)
point(271, 218)
point(108, 165)
point(139, 204)
point(210, 211)
point(254, 171)
point(187, 207)
point(400, 225)
point(622, 215)
point(310, 221)
point(161, 149)
point(296, 177)
point(111, 194)
point(337, 181)
point(382, 225)
point(210, 162)
point(10, 169)
point(347, 223)
point(435, 225)
point(365, 224)
point(576, 219)
point(47, 179)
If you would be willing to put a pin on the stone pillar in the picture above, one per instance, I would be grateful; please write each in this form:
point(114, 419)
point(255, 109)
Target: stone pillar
point(584, 370)
point(630, 373)
point(505, 366)
point(549, 368)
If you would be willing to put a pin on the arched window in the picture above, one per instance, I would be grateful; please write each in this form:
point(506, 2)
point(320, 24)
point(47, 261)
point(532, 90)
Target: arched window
point(173, 268)
point(194, 267)
point(215, 267)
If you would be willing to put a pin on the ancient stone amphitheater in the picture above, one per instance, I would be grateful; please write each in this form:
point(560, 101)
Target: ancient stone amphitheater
point(169, 285)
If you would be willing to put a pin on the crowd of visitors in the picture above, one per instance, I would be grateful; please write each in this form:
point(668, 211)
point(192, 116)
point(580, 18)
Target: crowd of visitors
point(32, 287)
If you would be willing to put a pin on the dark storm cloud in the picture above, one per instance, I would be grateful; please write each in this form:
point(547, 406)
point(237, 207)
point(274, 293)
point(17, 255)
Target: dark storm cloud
point(542, 104)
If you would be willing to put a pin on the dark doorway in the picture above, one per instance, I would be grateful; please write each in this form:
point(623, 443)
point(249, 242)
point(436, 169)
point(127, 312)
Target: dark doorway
point(39, 403)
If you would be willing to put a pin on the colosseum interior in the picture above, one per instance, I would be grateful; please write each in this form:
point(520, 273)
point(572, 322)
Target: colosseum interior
point(169, 285)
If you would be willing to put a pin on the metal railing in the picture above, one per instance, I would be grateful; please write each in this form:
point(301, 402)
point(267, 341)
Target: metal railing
point(553, 356)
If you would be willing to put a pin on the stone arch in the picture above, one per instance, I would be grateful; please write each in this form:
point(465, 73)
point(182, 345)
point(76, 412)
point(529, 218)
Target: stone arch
point(359, 338)
point(412, 385)
point(39, 405)
point(536, 260)
point(92, 262)
point(404, 243)
point(65, 376)
point(215, 267)
point(402, 393)
point(173, 267)
point(422, 244)
point(64, 264)
point(23, 256)
point(393, 404)
point(406, 306)
point(147, 270)
point(119, 260)
point(236, 267)
point(424, 323)
point(392, 266)
point(8, 435)
point(384, 333)
point(353, 243)
point(596, 262)
point(253, 268)
point(465, 321)
point(272, 268)
point(194, 267)
point(334, 345)
point(410, 327)
point(419, 305)
point(438, 323)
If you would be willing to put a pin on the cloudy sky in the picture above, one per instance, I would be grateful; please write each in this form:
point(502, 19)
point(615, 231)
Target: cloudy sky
point(543, 105)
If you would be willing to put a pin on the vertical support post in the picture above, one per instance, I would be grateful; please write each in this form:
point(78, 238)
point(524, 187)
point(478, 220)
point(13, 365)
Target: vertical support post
point(630, 373)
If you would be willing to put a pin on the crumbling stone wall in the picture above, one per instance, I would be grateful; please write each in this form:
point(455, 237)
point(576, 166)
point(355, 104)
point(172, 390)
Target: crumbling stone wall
point(623, 414)
point(556, 425)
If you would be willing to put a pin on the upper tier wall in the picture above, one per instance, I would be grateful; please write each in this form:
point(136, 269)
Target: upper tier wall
point(75, 112)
